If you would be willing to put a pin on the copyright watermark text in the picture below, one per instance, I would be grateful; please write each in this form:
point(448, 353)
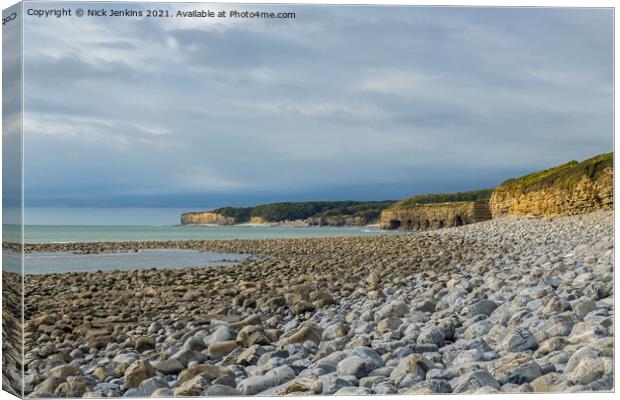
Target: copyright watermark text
point(157, 13)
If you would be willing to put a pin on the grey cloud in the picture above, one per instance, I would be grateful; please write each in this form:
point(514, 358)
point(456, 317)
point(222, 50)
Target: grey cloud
point(71, 69)
point(238, 48)
point(118, 44)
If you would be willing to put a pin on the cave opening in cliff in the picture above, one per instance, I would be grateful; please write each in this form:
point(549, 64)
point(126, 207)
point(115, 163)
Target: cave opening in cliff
point(458, 221)
point(394, 224)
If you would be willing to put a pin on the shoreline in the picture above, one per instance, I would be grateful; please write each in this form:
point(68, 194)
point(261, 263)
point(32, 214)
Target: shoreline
point(481, 308)
point(62, 262)
point(86, 234)
point(293, 224)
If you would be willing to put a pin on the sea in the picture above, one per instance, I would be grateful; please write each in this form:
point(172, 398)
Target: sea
point(58, 262)
point(126, 233)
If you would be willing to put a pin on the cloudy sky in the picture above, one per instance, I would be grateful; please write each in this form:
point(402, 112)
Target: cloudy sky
point(340, 103)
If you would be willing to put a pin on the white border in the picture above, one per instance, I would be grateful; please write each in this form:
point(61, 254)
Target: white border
point(480, 3)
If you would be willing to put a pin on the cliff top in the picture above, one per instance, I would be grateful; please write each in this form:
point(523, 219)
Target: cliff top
point(442, 198)
point(564, 175)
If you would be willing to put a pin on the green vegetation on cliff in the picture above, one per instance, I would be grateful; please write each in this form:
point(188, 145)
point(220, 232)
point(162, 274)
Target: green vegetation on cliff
point(482, 194)
point(290, 211)
point(241, 214)
point(367, 212)
point(564, 176)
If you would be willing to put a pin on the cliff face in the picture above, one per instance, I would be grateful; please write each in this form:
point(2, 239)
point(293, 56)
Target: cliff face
point(571, 188)
point(258, 220)
point(206, 218)
point(436, 215)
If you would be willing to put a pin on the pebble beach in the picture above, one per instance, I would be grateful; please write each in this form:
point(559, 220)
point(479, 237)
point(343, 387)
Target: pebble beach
point(506, 305)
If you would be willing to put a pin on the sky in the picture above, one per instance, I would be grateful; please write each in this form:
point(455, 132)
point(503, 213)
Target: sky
point(342, 102)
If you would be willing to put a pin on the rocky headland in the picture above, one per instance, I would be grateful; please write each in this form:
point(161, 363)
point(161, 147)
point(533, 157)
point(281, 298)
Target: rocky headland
point(307, 213)
point(568, 189)
point(506, 305)
point(206, 218)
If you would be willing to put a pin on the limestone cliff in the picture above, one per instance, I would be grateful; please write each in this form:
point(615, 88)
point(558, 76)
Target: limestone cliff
point(571, 188)
point(435, 215)
point(258, 220)
point(206, 218)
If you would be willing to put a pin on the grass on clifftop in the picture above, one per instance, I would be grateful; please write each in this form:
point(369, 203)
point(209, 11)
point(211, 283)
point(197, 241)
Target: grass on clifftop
point(413, 201)
point(564, 176)
point(276, 212)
